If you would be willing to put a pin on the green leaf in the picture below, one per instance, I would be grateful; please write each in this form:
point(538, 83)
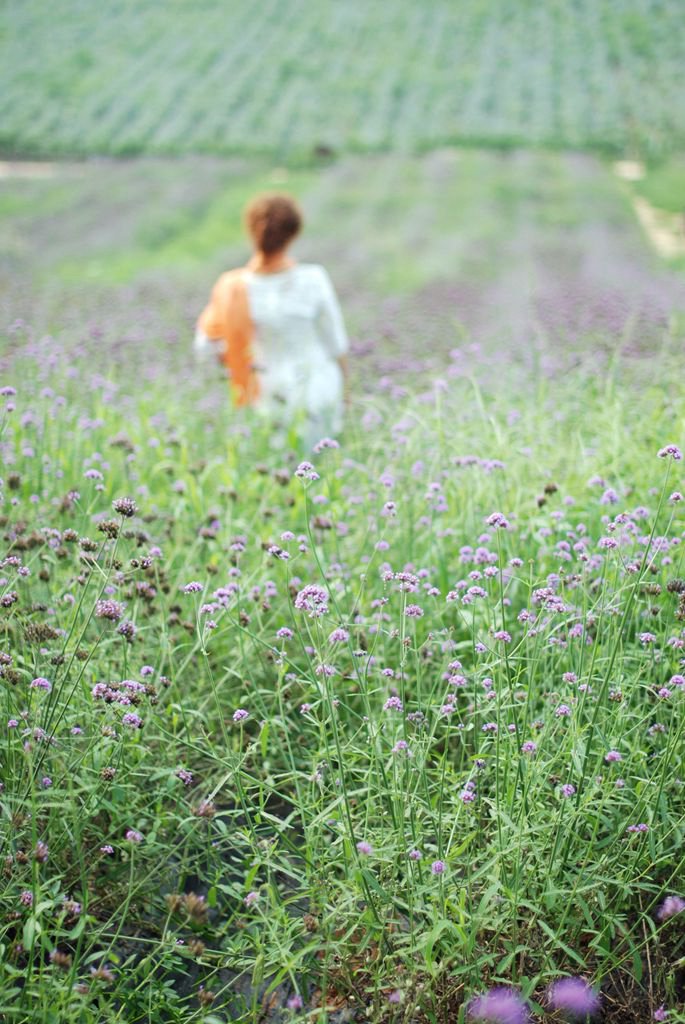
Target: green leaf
point(264, 738)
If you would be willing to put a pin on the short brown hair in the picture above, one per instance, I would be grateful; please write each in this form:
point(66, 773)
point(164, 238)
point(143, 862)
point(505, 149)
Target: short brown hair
point(273, 220)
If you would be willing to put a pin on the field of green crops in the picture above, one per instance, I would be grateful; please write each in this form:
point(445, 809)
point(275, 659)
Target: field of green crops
point(294, 77)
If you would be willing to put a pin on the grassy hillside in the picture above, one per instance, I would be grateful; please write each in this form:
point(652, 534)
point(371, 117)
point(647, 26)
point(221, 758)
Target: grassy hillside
point(291, 76)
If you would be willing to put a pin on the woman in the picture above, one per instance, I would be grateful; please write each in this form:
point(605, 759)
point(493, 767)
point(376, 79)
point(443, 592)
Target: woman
point(277, 326)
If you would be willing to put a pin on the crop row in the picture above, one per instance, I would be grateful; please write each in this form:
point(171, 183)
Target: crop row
point(291, 76)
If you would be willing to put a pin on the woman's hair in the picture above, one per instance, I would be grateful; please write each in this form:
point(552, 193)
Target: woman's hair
point(273, 220)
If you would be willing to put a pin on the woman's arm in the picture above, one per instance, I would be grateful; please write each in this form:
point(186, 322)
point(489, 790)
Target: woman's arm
point(331, 323)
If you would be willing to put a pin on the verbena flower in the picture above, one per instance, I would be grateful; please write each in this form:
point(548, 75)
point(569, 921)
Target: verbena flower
point(312, 599)
point(574, 997)
point(671, 906)
point(194, 587)
point(108, 609)
point(499, 1006)
point(672, 451)
point(125, 507)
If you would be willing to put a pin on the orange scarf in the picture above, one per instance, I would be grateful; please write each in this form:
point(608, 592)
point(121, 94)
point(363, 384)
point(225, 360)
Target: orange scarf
point(227, 319)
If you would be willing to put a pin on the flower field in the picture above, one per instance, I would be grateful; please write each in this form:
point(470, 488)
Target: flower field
point(377, 727)
point(300, 79)
point(391, 730)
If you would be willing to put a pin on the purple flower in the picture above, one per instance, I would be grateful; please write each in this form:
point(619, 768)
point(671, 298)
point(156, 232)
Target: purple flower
point(26, 898)
point(133, 836)
point(613, 755)
point(365, 848)
point(284, 633)
point(671, 906)
point(497, 520)
point(194, 587)
point(661, 1013)
point(185, 776)
point(305, 471)
point(133, 720)
point(672, 451)
point(568, 790)
point(125, 507)
point(562, 711)
point(415, 855)
point(574, 996)
point(295, 1002)
point(107, 848)
point(127, 629)
point(325, 442)
point(499, 1006)
point(108, 609)
point(251, 898)
point(240, 714)
point(40, 683)
point(413, 611)
point(610, 497)
point(393, 704)
point(46, 782)
point(312, 599)
point(438, 867)
point(638, 828)
point(529, 747)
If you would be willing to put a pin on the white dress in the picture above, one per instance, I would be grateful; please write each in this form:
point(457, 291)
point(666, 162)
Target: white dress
point(299, 338)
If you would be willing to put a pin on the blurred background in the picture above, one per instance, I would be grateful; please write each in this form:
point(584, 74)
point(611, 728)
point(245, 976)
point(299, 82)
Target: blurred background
point(501, 172)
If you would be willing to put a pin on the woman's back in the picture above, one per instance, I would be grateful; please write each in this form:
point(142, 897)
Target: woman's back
point(299, 339)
